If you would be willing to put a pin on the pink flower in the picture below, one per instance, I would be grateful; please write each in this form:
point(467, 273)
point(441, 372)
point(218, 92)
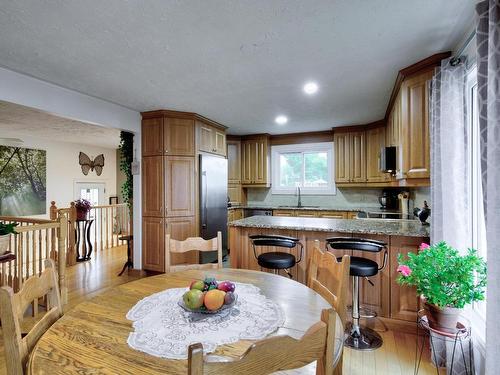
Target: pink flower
point(423, 246)
point(404, 270)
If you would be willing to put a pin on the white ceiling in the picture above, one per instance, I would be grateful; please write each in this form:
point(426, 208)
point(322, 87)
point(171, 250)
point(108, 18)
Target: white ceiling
point(235, 61)
point(19, 121)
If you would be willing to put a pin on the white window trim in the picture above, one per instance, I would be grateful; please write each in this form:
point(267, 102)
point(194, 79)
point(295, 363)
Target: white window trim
point(306, 147)
point(476, 319)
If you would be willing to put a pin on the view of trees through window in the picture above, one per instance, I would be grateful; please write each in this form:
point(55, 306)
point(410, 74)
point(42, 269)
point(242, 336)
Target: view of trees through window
point(304, 169)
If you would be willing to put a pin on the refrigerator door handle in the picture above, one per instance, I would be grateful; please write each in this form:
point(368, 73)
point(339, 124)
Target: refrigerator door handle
point(204, 203)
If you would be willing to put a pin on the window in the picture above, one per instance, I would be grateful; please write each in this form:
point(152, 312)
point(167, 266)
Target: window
point(305, 166)
point(478, 228)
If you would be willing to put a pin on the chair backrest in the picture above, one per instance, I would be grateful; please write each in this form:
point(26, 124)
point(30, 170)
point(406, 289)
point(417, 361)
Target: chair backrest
point(329, 278)
point(12, 308)
point(354, 243)
point(276, 353)
point(189, 244)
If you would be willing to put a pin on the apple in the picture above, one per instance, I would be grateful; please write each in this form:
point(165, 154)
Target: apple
point(197, 284)
point(193, 299)
point(214, 299)
point(229, 298)
point(226, 286)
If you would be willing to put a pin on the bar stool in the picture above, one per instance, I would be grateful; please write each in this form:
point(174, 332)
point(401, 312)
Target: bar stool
point(276, 260)
point(357, 337)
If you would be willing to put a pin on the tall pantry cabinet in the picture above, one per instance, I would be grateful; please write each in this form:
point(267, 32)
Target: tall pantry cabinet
point(171, 142)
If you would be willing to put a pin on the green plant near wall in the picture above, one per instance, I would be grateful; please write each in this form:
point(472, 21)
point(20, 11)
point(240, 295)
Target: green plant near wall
point(127, 156)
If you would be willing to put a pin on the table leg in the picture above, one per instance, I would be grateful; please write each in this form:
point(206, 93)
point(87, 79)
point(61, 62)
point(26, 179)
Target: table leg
point(89, 242)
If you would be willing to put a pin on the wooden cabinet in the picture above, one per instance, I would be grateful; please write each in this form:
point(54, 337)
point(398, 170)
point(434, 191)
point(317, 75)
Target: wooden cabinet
point(152, 186)
point(284, 213)
point(342, 157)
point(152, 137)
point(169, 179)
point(178, 137)
point(234, 162)
point(255, 161)
point(179, 186)
point(332, 214)
point(415, 126)
point(350, 157)
point(211, 139)
point(375, 140)
point(306, 213)
point(153, 244)
point(404, 301)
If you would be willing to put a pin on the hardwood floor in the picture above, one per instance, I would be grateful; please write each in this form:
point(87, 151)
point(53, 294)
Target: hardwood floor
point(395, 357)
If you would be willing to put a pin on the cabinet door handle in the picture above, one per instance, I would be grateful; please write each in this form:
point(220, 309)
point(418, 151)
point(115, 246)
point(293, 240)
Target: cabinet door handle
point(166, 151)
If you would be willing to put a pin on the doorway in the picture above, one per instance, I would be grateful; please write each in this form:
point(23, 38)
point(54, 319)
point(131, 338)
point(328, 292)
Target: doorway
point(92, 191)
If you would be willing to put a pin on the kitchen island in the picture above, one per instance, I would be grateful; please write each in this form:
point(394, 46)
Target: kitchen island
point(386, 297)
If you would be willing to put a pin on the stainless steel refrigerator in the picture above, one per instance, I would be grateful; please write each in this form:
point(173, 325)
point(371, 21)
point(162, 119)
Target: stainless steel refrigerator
point(213, 202)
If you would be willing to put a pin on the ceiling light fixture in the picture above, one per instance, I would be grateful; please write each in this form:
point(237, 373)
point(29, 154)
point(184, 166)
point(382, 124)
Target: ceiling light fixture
point(311, 88)
point(281, 120)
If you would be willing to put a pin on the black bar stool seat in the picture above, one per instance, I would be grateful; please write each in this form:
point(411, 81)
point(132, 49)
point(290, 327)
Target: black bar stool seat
point(362, 267)
point(276, 260)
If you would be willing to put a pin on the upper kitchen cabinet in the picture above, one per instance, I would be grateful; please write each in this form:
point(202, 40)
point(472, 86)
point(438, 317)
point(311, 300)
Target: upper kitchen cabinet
point(152, 136)
point(162, 135)
point(415, 126)
point(234, 161)
point(211, 139)
point(255, 153)
point(350, 156)
point(178, 137)
point(375, 140)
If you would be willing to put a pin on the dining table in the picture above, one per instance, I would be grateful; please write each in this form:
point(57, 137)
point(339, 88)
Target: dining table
point(91, 338)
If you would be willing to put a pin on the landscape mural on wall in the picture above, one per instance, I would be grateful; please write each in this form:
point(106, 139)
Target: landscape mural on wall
point(23, 188)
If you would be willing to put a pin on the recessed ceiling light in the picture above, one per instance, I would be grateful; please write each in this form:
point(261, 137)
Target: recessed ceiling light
point(311, 88)
point(281, 120)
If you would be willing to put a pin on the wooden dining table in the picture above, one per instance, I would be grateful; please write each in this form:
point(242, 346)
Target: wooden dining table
point(92, 337)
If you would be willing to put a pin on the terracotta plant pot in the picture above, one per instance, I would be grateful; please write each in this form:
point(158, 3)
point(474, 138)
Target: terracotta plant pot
point(81, 214)
point(4, 243)
point(442, 319)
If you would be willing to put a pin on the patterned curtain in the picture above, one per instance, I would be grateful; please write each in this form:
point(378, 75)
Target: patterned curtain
point(488, 66)
point(450, 218)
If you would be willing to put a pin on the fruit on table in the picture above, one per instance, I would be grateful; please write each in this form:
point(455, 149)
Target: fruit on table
point(197, 284)
point(226, 286)
point(210, 283)
point(214, 299)
point(229, 298)
point(193, 299)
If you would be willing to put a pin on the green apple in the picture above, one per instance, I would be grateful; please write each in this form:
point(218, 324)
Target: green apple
point(193, 299)
point(197, 284)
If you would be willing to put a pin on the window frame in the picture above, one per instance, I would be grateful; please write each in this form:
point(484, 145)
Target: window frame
point(276, 151)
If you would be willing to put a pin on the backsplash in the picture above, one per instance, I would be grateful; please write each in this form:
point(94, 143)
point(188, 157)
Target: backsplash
point(345, 198)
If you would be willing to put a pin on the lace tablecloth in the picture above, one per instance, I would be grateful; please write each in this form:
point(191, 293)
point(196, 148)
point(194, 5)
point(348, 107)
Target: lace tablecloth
point(163, 329)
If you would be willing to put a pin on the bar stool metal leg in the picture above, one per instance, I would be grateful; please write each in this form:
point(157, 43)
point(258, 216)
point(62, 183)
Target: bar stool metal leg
point(357, 337)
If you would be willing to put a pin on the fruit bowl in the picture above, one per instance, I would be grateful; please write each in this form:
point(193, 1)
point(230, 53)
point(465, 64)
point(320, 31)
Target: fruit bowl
point(208, 296)
point(204, 310)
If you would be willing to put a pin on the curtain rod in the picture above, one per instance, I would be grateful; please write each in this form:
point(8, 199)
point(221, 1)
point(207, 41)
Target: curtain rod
point(457, 58)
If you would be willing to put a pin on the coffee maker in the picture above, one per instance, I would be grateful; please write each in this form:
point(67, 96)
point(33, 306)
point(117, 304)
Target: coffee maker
point(388, 200)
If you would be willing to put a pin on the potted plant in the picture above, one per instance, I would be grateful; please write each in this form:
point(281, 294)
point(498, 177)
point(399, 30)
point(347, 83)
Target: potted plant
point(83, 206)
point(5, 231)
point(445, 280)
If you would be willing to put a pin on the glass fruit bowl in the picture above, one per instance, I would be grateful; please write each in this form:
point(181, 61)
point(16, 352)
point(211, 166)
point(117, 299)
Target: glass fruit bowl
point(205, 310)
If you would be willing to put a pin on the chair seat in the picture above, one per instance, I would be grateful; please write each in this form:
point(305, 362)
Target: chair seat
point(276, 260)
point(362, 267)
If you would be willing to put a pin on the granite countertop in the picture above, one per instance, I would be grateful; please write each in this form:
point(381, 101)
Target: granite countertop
point(406, 228)
point(307, 208)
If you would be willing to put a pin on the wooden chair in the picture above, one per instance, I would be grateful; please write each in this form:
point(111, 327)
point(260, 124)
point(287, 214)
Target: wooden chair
point(276, 353)
point(12, 308)
point(330, 279)
point(189, 244)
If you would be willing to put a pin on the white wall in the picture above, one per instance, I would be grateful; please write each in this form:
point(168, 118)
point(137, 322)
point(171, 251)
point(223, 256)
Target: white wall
point(63, 169)
point(28, 91)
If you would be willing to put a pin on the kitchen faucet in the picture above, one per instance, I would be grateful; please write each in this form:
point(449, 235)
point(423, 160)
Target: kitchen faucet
point(299, 200)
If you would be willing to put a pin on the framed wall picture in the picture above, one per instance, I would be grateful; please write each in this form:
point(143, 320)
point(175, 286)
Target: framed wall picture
point(113, 200)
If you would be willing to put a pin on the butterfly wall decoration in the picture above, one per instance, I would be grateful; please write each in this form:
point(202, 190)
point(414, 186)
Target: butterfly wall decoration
point(88, 164)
